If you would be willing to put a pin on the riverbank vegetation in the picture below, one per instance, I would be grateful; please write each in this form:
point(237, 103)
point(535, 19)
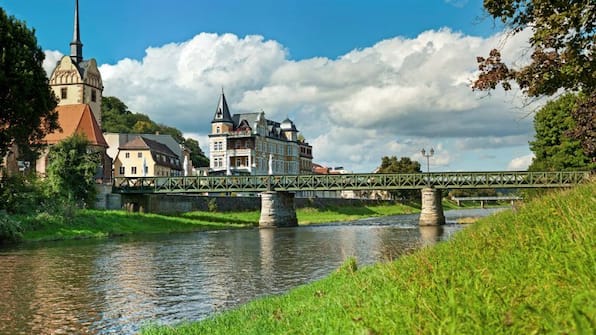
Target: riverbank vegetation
point(517, 272)
point(86, 223)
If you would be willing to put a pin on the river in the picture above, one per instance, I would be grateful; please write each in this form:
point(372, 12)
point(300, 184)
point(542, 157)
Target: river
point(118, 285)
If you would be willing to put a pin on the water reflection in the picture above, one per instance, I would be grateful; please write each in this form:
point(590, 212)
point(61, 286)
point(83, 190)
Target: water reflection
point(430, 235)
point(114, 287)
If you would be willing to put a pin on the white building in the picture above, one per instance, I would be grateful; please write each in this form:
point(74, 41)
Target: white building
point(251, 144)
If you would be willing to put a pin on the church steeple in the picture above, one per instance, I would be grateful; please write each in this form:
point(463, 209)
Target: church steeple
point(222, 113)
point(76, 47)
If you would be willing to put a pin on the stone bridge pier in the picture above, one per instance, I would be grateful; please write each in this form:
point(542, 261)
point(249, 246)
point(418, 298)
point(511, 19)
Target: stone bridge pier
point(277, 210)
point(431, 213)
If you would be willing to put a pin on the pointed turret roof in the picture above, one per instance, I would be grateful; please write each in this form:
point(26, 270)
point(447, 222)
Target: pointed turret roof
point(76, 47)
point(222, 113)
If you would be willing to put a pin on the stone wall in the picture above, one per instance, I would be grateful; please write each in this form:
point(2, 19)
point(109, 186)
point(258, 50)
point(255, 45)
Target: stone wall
point(180, 203)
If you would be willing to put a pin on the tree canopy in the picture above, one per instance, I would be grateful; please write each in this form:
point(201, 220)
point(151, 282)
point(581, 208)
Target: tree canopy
point(562, 59)
point(27, 103)
point(72, 170)
point(116, 118)
point(403, 165)
point(562, 43)
point(553, 148)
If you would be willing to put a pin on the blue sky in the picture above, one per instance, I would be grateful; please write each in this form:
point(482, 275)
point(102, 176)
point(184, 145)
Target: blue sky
point(361, 79)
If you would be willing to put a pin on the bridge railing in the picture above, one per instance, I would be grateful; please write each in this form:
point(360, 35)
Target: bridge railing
point(362, 181)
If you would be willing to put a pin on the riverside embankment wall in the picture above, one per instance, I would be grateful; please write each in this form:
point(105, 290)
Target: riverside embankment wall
point(181, 203)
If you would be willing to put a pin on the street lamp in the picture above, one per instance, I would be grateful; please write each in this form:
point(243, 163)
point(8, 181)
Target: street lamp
point(428, 156)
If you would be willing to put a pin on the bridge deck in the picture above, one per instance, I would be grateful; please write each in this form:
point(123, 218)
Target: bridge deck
point(369, 181)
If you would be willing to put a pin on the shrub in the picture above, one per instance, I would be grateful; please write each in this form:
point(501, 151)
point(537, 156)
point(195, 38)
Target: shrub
point(212, 205)
point(19, 194)
point(10, 229)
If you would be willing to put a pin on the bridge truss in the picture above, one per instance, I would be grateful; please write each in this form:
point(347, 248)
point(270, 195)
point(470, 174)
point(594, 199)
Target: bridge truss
point(368, 181)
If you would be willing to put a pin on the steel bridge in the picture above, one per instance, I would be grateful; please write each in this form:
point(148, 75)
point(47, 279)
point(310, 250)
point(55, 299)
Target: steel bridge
point(360, 181)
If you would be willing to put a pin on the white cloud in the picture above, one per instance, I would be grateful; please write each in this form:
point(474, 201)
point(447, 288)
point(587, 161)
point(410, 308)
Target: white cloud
point(353, 109)
point(520, 163)
point(52, 58)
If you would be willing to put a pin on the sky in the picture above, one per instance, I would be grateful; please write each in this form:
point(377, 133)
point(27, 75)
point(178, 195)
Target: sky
point(360, 79)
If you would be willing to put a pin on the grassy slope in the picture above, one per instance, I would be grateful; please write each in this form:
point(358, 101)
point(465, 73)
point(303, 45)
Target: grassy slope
point(531, 271)
point(101, 224)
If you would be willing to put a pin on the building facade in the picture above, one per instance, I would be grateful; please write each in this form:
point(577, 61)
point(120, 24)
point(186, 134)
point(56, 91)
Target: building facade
point(142, 157)
point(117, 140)
point(250, 144)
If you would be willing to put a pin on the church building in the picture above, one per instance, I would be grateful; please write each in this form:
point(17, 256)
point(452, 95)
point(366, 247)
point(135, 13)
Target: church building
point(77, 84)
point(250, 144)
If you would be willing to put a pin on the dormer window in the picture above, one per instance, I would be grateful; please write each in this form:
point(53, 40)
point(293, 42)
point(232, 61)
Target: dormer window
point(219, 114)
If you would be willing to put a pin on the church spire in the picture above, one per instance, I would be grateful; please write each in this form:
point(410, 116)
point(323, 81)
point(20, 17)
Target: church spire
point(76, 47)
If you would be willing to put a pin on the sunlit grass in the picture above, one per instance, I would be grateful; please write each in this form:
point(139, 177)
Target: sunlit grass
point(103, 224)
point(530, 271)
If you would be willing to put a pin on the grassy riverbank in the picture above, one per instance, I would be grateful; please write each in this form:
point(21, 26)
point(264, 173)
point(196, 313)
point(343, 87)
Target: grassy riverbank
point(523, 272)
point(82, 224)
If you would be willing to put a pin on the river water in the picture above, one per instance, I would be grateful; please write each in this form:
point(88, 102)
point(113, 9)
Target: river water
point(116, 286)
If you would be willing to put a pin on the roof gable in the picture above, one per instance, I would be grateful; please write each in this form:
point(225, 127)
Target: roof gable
point(77, 118)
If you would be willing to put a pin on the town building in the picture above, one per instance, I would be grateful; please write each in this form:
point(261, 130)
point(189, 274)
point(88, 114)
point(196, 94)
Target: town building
point(143, 157)
point(250, 144)
point(117, 140)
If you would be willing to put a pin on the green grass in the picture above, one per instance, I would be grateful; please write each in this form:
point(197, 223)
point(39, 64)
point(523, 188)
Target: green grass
point(85, 224)
point(102, 224)
point(350, 213)
point(532, 271)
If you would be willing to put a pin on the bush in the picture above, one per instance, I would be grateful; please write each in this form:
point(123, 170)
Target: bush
point(10, 229)
point(20, 194)
point(212, 205)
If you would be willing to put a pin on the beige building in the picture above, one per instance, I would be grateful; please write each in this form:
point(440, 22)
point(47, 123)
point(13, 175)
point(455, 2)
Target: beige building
point(116, 140)
point(142, 157)
point(249, 143)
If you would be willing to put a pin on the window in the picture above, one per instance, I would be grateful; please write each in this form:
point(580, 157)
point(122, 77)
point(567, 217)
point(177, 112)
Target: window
point(93, 95)
point(127, 155)
point(217, 130)
point(63, 92)
point(139, 154)
point(133, 170)
point(146, 169)
point(121, 170)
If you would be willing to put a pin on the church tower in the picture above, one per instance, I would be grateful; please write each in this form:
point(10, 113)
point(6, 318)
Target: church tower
point(75, 80)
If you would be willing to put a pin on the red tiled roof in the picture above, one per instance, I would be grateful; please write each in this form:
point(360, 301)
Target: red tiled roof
point(77, 118)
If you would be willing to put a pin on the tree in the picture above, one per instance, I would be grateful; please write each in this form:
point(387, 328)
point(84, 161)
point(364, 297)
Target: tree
point(72, 168)
point(27, 103)
point(562, 42)
point(404, 165)
point(553, 149)
point(197, 156)
point(562, 58)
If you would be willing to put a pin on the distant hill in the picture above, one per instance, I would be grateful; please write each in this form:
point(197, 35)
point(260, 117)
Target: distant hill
point(116, 118)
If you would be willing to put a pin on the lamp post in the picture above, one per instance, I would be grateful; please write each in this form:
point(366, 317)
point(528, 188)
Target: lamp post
point(428, 156)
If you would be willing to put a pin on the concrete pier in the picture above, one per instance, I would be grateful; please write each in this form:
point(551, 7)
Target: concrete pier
point(432, 208)
point(277, 210)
